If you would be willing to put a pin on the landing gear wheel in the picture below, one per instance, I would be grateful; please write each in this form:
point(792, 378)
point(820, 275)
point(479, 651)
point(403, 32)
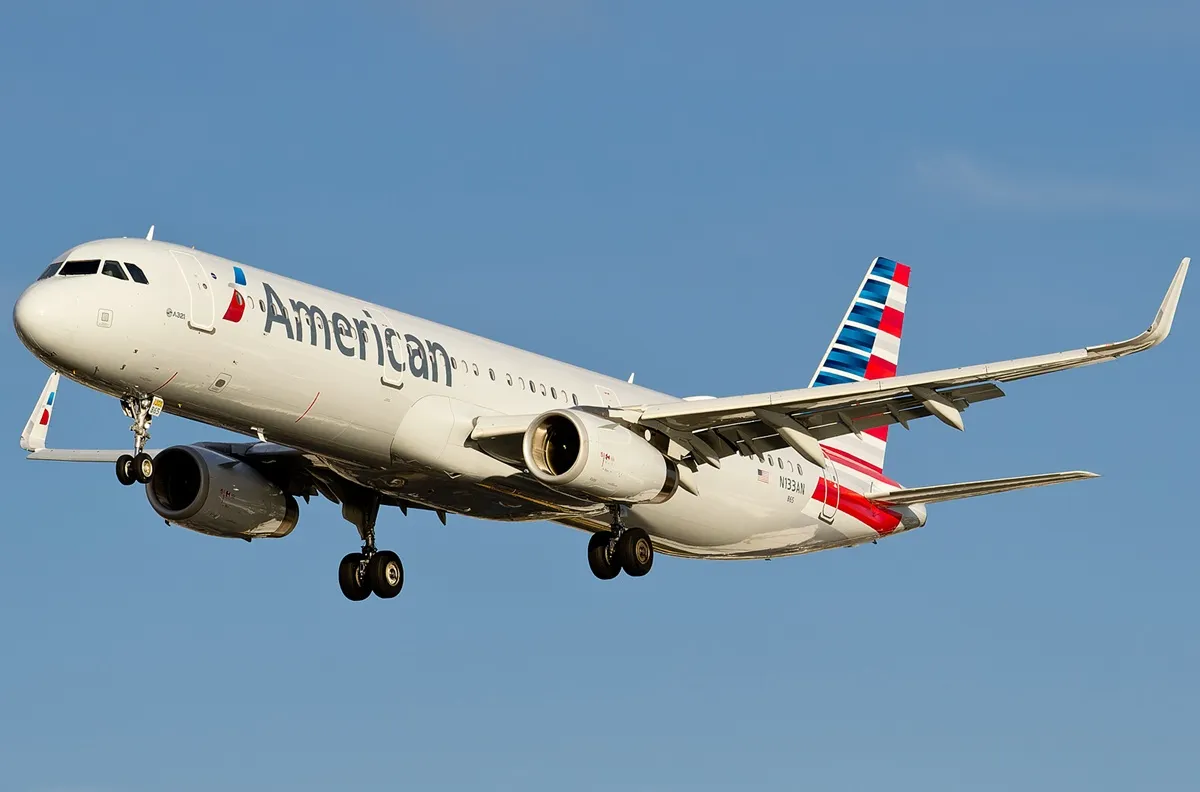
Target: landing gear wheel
point(635, 552)
point(125, 470)
point(604, 564)
point(352, 577)
point(143, 468)
point(385, 574)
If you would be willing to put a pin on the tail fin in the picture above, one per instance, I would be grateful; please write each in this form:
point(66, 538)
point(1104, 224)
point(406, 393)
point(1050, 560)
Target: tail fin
point(866, 347)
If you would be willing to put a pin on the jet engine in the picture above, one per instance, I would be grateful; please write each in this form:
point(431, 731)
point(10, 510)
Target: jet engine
point(585, 454)
point(218, 495)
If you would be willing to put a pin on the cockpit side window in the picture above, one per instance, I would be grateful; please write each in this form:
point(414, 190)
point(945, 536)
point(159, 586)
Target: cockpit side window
point(136, 273)
point(113, 270)
point(89, 267)
point(51, 271)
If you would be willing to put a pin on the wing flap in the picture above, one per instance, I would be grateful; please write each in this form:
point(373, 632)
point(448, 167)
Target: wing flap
point(911, 496)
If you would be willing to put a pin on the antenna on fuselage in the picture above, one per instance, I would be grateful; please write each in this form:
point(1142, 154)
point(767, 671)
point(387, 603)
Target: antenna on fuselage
point(630, 380)
point(150, 234)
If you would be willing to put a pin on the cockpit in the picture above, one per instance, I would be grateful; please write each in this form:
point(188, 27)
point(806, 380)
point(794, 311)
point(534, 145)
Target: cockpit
point(113, 269)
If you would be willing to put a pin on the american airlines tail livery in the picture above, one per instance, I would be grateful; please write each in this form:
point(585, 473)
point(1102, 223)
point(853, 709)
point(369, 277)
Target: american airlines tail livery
point(368, 406)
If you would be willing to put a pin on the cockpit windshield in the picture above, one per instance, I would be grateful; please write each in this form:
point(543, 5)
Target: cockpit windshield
point(136, 273)
point(89, 267)
point(113, 269)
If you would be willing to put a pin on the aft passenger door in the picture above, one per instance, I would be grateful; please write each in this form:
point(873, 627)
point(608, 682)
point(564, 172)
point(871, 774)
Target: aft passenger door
point(833, 494)
point(202, 313)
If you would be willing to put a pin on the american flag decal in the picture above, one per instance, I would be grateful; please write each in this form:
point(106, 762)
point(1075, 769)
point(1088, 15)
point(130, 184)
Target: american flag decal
point(764, 476)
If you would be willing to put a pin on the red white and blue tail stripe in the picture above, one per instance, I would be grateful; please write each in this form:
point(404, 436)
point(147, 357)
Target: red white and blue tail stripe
point(866, 347)
point(34, 436)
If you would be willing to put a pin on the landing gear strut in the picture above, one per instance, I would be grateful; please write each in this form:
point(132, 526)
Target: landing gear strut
point(139, 466)
point(621, 548)
point(371, 571)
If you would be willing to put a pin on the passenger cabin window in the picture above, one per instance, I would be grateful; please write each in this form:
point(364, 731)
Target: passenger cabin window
point(90, 267)
point(532, 387)
point(113, 270)
point(136, 273)
point(508, 377)
point(492, 374)
point(475, 369)
point(575, 399)
point(50, 271)
point(553, 393)
point(543, 386)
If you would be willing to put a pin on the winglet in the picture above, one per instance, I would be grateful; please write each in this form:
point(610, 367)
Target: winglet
point(1161, 326)
point(34, 436)
point(1158, 329)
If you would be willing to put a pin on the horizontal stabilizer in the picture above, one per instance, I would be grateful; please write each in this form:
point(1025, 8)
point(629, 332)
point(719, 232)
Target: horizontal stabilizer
point(81, 454)
point(903, 496)
point(33, 439)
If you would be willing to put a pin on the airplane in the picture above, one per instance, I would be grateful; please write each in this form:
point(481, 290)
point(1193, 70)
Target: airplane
point(368, 407)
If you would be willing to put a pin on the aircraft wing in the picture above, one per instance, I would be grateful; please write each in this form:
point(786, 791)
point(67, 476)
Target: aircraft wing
point(715, 428)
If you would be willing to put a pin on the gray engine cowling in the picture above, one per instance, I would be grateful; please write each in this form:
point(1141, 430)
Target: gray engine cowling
point(582, 453)
point(218, 495)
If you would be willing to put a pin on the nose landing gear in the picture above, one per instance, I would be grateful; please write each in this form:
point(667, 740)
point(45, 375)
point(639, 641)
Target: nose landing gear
point(371, 571)
point(628, 549)
point(138, 467)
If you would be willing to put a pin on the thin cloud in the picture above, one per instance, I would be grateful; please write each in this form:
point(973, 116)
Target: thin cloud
point(968, 178)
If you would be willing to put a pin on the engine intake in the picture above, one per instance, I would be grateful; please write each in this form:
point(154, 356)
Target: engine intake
point(215, 494)
point(582, 453)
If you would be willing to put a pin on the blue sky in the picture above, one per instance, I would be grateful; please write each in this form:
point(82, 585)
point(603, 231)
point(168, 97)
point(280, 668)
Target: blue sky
point(685, 190)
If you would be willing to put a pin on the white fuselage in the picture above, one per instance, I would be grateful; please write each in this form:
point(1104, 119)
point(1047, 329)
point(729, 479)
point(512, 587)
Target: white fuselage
point(388, 399)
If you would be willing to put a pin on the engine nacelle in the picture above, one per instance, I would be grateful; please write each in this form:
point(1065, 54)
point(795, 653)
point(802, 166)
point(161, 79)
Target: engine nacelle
point(585, 454)
point(218, 495)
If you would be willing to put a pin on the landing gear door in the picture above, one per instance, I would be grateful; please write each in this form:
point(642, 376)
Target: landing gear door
point(833, 494)
point(202, 312)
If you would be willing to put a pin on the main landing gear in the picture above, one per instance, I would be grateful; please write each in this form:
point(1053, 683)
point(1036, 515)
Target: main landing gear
point(138, 467)
point(622, 548)
point(372, 571)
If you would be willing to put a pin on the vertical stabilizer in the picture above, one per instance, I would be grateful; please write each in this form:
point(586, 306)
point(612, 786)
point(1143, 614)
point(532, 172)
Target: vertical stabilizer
point(866, 346)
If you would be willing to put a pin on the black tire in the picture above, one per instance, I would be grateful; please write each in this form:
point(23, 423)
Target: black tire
point(636, 552)
point(604, 566)
point(125, 470)
point(143, 468)
point(354, 586)
point(385, 574)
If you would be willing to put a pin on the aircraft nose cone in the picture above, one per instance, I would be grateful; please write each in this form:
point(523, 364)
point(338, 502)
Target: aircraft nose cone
point(37, 317)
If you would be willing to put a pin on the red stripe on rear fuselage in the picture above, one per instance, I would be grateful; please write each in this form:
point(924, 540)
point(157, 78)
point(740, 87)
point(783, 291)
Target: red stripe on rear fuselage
point(854, 463)
point(853, 504)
